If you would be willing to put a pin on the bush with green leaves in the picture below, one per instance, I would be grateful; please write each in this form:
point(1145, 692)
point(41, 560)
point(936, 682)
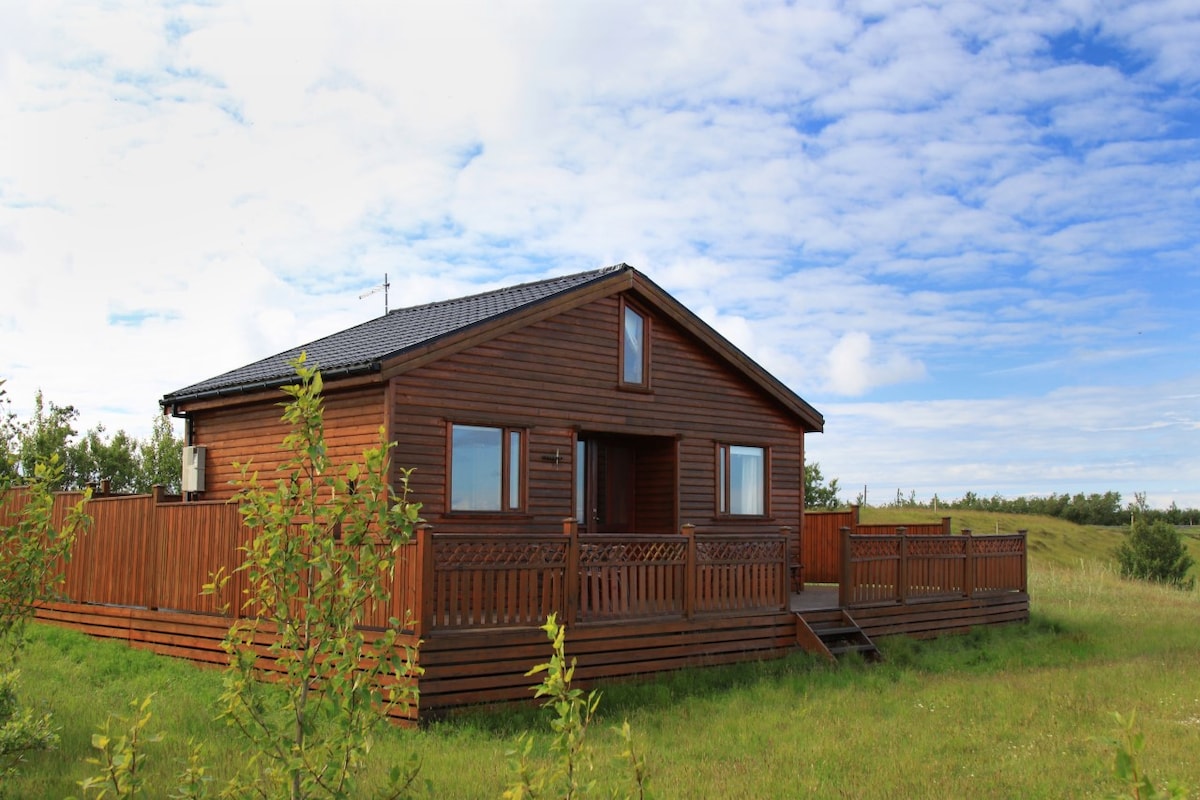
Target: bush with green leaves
point(1155, 552)
point(322, 550)
point(569, 772)
point(33, 551)
point(1128, 769)
point(120, 757)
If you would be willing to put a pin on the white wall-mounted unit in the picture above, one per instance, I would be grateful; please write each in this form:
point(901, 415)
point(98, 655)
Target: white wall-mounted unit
point(193, 469)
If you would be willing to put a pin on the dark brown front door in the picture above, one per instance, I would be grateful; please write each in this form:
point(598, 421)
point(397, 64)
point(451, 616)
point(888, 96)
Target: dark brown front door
point(610, 486)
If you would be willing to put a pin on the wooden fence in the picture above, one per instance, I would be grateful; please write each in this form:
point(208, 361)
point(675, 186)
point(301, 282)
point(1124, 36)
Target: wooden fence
point(902, 568)
point(144, 551)
point(821, 543)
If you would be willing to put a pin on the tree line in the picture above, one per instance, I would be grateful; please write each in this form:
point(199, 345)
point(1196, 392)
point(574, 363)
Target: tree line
point(128, 463)
point(1096, 508)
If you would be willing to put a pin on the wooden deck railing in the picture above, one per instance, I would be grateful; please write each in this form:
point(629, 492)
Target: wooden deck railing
point(482, 581)
point(902, 568)
point(146, 552)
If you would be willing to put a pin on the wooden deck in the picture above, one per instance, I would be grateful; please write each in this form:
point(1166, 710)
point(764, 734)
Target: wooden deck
point(815, 597)
point(635, 604)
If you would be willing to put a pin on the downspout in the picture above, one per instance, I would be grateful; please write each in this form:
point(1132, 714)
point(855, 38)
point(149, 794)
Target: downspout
point(188, 436)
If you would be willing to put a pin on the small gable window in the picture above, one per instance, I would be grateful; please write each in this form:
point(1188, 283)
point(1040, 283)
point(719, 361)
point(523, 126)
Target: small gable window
point(635, 351)
point(741, 480)
point(486, 468)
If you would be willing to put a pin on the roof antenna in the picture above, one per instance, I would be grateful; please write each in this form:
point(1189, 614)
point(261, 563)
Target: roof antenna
point(383, 287)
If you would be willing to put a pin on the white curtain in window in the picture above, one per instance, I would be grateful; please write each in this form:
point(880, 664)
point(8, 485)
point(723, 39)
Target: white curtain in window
point(746, 480)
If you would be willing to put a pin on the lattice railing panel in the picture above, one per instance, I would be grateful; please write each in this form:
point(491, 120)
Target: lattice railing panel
point(661, 552)
point(498, 553)
point(874, 547)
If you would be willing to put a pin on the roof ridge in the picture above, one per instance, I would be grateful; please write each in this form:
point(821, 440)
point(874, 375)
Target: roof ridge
point(596, 273)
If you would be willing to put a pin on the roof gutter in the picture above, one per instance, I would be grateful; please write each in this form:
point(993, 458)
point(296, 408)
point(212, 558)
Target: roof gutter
point(173, 400)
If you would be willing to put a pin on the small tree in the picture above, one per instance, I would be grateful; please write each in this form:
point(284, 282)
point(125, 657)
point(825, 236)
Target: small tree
point(816, 493)
point(569, 775)
point(161, 458)
point(48, 435)
point(96, 458)
point(1155, 552)
point(10, 439)
point(32, 553)
point(322, 551)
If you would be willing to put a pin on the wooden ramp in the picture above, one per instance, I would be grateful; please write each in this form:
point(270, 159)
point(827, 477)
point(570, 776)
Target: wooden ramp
point(832, 634)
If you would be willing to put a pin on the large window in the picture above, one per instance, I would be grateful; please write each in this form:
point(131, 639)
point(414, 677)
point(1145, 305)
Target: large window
point(635, 351)
point(485, 468)
point(741, 480)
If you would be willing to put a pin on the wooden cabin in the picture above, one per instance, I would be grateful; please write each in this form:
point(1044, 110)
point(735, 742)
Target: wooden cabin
point(596, 396)
point(584, 446)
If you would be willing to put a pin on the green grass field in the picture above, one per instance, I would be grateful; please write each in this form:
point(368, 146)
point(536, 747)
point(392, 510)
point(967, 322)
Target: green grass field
point(1021, 711)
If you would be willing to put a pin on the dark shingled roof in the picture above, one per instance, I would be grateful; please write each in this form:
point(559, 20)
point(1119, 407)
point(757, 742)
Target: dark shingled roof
point(360, 349)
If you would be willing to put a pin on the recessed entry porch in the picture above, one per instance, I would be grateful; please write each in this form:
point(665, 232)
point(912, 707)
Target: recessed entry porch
point(626, 484)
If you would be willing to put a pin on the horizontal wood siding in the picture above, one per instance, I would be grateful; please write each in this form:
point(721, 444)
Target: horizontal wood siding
point(253, 433)
point(926, 620)
point(489, 666)
point(559, 376)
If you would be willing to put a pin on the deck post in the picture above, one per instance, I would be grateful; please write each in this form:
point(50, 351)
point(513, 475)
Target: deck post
point(690, 572)
point(423, 613)
point(1024, 534)
point(785, 578)
point(946, 531)
point(152, 574)
point(844, 588)
point(902, 566)
point(968, 564)
point(571, 579)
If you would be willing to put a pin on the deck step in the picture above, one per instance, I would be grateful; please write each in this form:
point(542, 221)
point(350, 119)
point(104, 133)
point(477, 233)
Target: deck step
point(835, 638)
point(831, 632)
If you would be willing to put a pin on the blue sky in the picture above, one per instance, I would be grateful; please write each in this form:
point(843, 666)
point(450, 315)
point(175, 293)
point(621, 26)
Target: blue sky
point(968, 233)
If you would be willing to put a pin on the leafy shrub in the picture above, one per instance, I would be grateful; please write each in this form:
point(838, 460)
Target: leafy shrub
point(568, 776)
point(322, 551)
point(32, 554)
point(121, 756)
point(1155, 552)
point(1127, 767)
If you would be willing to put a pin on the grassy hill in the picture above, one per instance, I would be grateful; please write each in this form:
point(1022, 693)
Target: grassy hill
point(1052, 541)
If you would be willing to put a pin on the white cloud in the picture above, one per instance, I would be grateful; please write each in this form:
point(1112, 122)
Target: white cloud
point(853, 369)
point(874, 200)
